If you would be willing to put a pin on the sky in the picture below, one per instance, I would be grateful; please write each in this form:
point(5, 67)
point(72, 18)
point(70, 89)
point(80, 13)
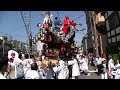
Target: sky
point(11, 23)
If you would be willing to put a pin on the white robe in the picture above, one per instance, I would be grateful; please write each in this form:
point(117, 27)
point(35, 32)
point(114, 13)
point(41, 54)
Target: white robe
point(110, 65)
point(117, 76)
point(32, 74)
point(2, 76)
point(46, 19)
point(99, 61)
point(61, 70)
point(27, 65)
point(75, 67)
point(19, 68)
point(41, 72)
point(84, 65)
point(16, 69)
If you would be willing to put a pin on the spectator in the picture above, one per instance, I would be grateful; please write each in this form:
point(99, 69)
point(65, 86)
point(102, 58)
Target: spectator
point(110, 67)
point(117, 68)
point(99, 62)
point(103, 70)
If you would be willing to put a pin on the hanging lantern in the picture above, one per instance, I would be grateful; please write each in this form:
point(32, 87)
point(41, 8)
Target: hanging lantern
point(100, 20)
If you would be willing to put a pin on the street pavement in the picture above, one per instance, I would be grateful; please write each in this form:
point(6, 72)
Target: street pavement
point(93, 74)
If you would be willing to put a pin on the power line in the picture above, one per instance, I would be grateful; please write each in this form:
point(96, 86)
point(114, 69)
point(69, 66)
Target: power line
point(24, 24)
point(27, 26)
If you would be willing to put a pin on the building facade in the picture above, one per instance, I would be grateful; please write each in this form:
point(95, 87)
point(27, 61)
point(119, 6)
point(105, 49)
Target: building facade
point(85, 45)
point(113, 31)
point(94, 32)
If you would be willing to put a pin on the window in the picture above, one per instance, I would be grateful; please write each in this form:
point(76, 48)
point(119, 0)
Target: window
point(113, 20)
point(117, 30)
point(109, 40)
point(112, 32)
point(118, 38)
point(113, 39)
point(108, 34)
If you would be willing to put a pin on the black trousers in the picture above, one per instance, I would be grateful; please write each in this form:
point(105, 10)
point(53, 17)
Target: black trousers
point(70, 71)
point(99, 69)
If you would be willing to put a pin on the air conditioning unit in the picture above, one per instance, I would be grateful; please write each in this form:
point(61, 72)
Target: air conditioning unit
point(100, 20)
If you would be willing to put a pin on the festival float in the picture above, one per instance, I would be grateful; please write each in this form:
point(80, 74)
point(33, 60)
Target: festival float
point(55, 43)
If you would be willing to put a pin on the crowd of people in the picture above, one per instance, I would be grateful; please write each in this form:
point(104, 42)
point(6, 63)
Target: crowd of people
point(107, 69)
point(25, 66)
point(34, 67)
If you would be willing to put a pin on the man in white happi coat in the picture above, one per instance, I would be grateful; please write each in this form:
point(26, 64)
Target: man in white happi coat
point(15, 65)
point(40, 70)
point(61, 69)
point(110, 67)
point(117, 68)
point(33, 73)
point(84, 65)
point(27, 64)
point(99, 62)
point(48, 18)
point(75, 67)
point(19, 68)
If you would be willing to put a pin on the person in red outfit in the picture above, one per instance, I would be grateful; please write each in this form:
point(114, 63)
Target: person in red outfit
point(72, 23)
point(66, 27)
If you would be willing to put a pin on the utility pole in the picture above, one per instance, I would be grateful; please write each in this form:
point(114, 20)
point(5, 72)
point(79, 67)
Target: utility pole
point(95, 34)
point(26, 21)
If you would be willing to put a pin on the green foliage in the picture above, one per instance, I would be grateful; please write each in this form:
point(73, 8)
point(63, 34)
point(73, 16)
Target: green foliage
point(115, 57)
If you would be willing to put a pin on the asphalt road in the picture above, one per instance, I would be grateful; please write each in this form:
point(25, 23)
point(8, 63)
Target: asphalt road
point(93, 74)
